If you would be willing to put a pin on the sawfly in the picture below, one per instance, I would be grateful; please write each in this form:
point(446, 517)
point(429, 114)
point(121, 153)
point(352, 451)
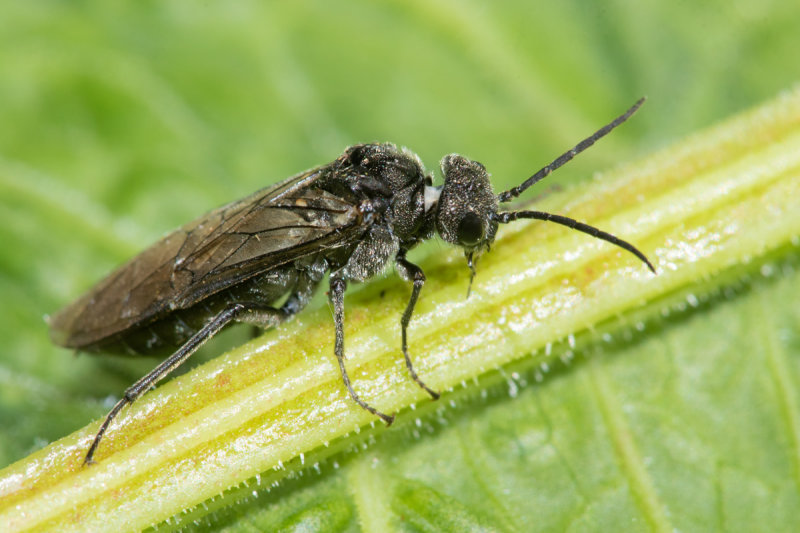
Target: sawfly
point(350, 218)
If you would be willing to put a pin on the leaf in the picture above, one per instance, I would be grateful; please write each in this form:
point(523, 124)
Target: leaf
point(676, 407)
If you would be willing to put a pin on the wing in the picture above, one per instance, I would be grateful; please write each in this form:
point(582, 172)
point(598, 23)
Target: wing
point(272, 227)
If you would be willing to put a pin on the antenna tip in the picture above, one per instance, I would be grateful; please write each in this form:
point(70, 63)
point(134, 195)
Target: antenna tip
point(636, 106)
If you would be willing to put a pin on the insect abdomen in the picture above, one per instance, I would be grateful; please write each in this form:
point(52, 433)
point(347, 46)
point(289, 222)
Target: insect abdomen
point(165, 332)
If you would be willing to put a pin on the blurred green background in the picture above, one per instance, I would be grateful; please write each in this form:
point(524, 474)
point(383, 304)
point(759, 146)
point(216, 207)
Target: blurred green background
point(122, 120)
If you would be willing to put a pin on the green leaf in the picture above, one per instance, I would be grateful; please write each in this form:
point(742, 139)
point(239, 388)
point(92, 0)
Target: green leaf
point(580, 391)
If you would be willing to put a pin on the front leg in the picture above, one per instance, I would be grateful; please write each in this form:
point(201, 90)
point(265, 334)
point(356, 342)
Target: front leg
point(336, 295)
point(411, 272)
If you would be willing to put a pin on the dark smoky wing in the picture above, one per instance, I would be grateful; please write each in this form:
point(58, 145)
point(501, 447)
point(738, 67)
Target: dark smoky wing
point(271, 233)
point(235, 242)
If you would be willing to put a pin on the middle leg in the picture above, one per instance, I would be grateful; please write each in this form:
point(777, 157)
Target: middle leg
point(411, 272)
point(337, 288)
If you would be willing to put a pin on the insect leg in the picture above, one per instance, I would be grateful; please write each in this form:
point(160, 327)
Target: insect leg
point(336, 295)
point(301, 294)
point(411, 272)
point(251, 312)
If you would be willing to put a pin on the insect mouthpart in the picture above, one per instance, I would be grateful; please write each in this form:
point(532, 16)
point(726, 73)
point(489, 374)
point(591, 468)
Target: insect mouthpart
point(350, 218)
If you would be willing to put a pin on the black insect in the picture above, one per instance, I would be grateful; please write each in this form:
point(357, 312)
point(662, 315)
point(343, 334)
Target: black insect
point(350, 217)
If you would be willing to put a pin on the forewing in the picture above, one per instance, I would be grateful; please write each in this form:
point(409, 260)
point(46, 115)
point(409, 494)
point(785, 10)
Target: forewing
point(273, 226)
point(267, 233)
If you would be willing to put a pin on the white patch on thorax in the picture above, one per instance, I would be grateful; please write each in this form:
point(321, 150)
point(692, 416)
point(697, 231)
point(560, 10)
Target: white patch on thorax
point(431, 196)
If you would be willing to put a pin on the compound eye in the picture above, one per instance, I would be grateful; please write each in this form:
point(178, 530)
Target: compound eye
point(470, 230)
